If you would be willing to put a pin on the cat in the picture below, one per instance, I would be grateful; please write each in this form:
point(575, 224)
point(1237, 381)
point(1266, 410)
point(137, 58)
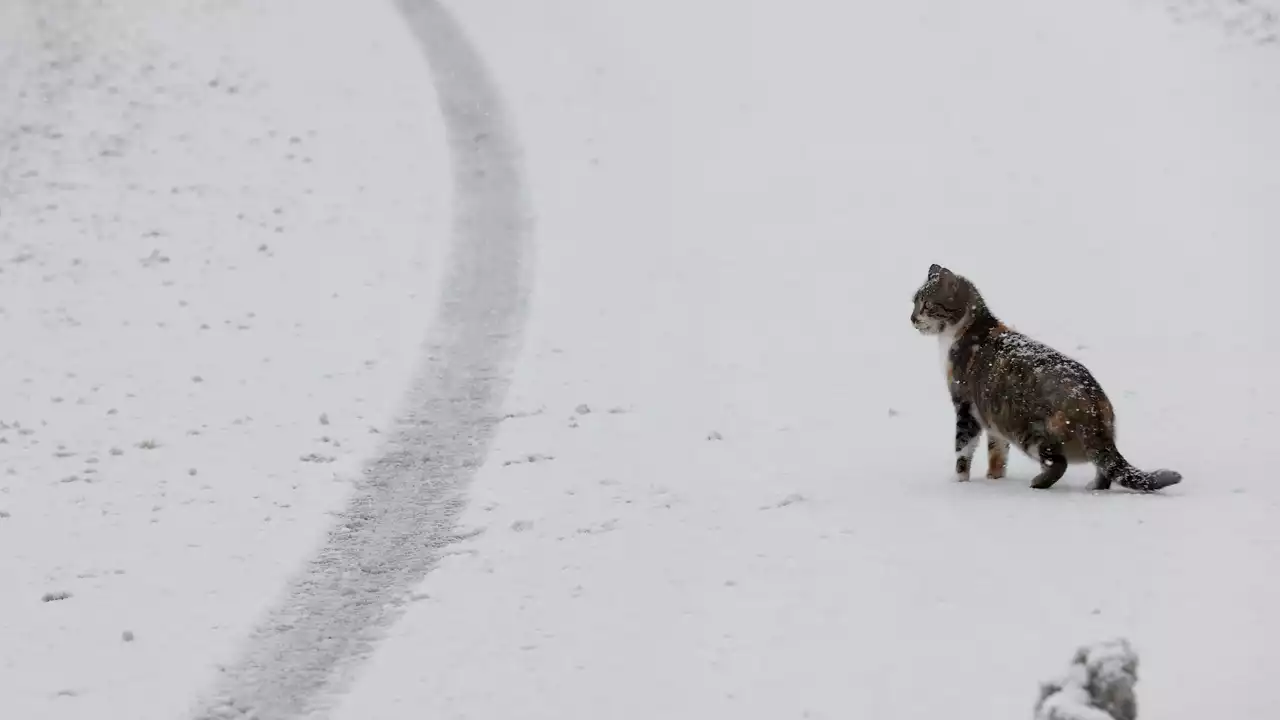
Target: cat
point(1022, 392)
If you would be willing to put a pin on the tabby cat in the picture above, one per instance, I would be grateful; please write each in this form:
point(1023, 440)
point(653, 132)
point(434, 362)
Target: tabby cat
point(1022, 392)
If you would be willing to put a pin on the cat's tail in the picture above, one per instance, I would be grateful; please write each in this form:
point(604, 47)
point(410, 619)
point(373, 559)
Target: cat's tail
point(1112, 467)
point(1149, 480)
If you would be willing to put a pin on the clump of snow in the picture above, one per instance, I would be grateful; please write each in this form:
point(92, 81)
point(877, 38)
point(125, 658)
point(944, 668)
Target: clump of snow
point(1097, 686)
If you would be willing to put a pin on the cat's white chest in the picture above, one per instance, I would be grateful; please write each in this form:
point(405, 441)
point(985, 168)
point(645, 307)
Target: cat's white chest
point(946, 341)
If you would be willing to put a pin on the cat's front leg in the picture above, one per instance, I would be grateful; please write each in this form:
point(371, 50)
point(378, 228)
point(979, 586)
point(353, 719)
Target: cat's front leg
point(968, 431)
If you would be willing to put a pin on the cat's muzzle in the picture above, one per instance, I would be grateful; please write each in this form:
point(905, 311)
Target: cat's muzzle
point(924, 326)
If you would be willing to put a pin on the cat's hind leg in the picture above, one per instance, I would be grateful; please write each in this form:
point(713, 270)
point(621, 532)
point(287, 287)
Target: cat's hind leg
point(1053, 465)
point(1100, 481)
point(968, 432)
point(997, 456)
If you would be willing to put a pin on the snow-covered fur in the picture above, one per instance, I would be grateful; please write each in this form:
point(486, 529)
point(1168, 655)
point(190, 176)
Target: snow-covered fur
point(1020, 392)
point(1097, 686)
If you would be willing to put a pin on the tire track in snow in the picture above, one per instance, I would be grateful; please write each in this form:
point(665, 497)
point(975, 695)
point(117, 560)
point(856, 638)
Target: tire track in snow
point(403, 513)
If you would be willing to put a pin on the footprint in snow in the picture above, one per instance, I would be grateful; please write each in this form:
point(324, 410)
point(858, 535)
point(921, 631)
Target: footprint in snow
point(603, 527)
point(791, 499)
point(528, 459)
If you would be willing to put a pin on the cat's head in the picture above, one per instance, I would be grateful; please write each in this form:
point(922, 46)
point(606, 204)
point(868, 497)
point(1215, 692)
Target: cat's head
point(942, 301)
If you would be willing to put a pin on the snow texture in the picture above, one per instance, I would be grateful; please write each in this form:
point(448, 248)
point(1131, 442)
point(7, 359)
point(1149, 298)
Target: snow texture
point(201, 251)
point(250, 252)
point(1243, 21)
point(400, 521)
point(1097, 686)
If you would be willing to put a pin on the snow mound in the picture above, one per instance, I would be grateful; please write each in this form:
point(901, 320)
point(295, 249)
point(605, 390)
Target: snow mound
point(1097, 686)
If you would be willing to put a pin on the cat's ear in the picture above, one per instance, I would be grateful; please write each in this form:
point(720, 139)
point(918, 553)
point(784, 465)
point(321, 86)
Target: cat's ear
point(937, 271)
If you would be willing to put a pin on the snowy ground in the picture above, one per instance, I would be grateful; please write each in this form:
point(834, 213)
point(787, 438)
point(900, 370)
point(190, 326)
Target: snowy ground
point(218, 248)
point(724, 488)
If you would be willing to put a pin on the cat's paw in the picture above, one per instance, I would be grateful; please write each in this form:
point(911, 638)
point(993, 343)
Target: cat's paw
point(961, 477)
point(995, 474)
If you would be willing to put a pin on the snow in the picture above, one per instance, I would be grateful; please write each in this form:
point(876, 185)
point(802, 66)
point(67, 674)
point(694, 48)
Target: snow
point(1099, 685)
point(200, 249)
point(723, 483)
